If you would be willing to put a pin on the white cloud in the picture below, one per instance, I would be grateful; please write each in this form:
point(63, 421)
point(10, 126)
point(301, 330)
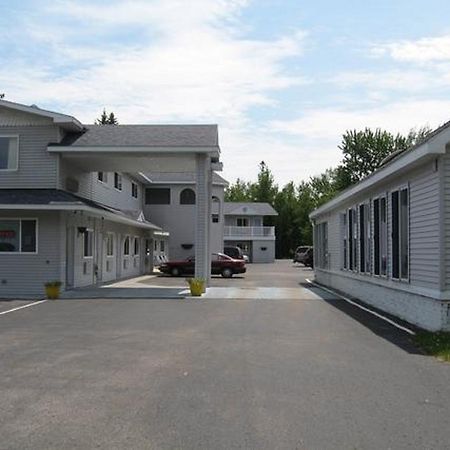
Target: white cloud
point(198, 67)
point(428, 49)
point(328, 124)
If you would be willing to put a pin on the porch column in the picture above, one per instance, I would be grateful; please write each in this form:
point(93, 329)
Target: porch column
point(203, 218)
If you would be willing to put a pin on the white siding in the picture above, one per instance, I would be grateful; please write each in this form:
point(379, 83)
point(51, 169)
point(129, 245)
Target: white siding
point(446, 220)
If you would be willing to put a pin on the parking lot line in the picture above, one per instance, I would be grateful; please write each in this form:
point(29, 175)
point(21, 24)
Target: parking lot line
point(22, 307)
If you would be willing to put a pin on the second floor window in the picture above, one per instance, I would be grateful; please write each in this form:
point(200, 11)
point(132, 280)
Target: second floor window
point(134, 190)
point(242, 222)
point(157, 196)
point(187, 197)
point(9, 153)
point(118, 181)
point(102, 177)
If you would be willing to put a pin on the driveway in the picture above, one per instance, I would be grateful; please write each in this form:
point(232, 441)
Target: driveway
point(302, 372)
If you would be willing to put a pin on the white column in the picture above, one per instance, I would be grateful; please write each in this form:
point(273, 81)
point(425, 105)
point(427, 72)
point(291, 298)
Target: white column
point(203, 217)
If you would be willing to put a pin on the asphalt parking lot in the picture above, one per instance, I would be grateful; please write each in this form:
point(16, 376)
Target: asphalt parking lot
point(303, 371)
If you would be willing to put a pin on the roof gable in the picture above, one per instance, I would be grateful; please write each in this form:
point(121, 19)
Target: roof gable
point(33, 115)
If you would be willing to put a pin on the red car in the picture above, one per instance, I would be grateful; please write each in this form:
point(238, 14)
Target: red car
point(220, 265)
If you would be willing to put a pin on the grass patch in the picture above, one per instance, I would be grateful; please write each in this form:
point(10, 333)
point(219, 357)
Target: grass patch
point(435, 344)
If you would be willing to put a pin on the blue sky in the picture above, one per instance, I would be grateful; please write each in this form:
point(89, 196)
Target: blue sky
point(283, 79)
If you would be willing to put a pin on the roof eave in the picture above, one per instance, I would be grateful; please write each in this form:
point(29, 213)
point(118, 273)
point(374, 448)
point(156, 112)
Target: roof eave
point(405, 161)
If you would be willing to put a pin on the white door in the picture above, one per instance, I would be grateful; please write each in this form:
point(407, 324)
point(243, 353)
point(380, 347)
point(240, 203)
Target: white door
point(109, 257)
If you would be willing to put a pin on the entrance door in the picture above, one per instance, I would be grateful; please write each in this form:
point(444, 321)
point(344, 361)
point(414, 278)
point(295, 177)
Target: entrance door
point(109, 257)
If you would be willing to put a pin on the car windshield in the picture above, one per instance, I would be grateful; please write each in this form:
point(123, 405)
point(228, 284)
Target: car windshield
point(301, 249)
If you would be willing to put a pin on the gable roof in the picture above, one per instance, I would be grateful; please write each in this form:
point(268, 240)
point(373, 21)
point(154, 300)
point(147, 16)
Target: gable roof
point(65, 121)
point(431, 147)
point(248, 209)
point(144, 136)
point(181, 178)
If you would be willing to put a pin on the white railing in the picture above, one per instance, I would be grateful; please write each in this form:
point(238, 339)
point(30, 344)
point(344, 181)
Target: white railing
point(249, 231)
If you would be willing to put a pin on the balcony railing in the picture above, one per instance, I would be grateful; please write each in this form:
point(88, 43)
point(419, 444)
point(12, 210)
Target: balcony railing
point(249, 231)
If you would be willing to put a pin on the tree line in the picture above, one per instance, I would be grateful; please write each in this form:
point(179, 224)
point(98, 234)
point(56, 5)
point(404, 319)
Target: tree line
point(362, 151)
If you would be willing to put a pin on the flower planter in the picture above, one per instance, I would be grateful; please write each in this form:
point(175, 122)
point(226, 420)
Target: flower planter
point(53, 290)
point(197, 287)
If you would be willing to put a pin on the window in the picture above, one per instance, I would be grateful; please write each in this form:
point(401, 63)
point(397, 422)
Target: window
point(109, 244)
point(88, 243)
point(134, 190)
point(126, 246)
point(155, 245)
point(102, 177)
point(400, 234)
point(187, 197)
point(18, 235)
point(364, 238)
point(242, 222)
point(352, 239)
point(162, 246)
point(157, 196)
point(321, 245)
point(118, 181)
point(215, 218)
point(379, 236)
point(9, 152)
point(136, 246)
point(344, 233)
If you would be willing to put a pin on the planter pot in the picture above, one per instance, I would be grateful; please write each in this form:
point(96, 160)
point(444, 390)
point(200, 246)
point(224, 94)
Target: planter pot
point(52, 292)
point(197, 288)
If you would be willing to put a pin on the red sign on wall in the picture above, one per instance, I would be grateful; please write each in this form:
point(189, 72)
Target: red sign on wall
point(7, 234)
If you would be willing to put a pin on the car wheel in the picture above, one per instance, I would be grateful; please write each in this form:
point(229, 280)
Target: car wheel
point(227, 272)
point(175, 271)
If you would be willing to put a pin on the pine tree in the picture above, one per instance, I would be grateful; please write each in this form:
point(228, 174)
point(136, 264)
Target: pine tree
point(107, 119)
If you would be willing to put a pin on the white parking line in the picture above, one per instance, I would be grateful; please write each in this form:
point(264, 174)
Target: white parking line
point(380, 316)
point(21, 307)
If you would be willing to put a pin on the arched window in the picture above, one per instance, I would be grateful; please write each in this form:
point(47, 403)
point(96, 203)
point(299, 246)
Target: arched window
point(187, 197)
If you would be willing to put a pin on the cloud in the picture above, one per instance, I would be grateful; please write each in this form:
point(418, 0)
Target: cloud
point(427, 49)
point(197, 67)
point(328, 124)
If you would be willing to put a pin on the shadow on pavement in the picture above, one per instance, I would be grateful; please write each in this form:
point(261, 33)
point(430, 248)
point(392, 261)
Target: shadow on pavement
point(378, 326)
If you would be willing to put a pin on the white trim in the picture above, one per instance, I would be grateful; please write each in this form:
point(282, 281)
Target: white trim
point(18, 151)
point(406, 161)
point(57, 117)
point(113, 217)
point(128, 150)
point(20, 235)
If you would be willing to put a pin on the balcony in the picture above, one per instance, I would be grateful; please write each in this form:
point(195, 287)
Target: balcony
point(249, 232)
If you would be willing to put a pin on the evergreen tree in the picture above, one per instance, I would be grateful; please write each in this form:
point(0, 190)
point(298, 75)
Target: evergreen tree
point(107, 119)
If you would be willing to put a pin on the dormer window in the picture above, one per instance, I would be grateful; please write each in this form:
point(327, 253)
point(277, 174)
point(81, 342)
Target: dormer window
point(9, 152)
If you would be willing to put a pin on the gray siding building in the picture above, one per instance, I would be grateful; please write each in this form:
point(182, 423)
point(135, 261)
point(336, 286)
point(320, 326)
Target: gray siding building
point(244, 228)
point(72, 197)
point(386, 240)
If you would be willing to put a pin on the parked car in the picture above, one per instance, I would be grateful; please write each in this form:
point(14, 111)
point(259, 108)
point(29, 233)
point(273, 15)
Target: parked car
point(220, 265)
point(301, 253)
point(235, 253)
point(309, 258)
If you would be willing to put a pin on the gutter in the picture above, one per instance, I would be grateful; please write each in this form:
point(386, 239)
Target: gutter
point(81, 207)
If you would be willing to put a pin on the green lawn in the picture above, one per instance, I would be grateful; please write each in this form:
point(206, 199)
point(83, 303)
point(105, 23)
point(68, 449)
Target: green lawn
point(436, 344)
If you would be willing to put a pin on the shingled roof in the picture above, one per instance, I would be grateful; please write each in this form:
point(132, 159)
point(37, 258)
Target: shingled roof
point(248, 209)
point(144, 136)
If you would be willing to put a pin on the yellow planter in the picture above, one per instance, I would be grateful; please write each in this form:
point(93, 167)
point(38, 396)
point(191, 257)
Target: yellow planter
point(52, 292)
point(197, 287)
